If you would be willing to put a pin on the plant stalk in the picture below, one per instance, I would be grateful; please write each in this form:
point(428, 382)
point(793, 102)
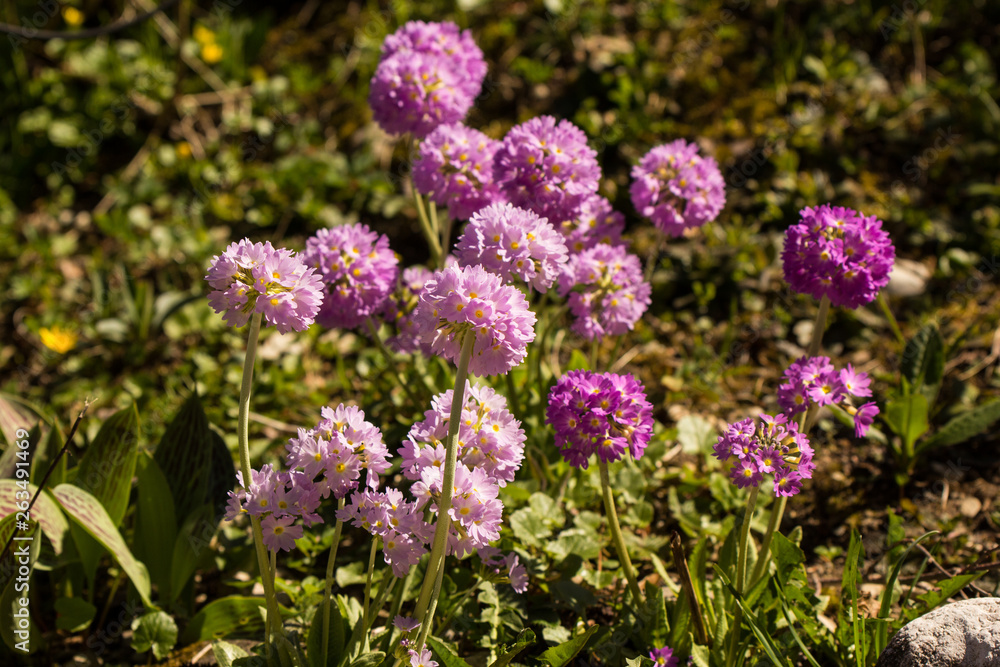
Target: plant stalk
point(328, 585)
point(616, 533)
point(741, 573)
point(818, 326)
point(893, 324)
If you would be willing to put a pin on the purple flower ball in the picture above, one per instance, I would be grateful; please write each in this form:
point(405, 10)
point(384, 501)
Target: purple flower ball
point(446, 40)
point(513, 243)
point(359, 271)
point(399, 307)
point(472, 301)
point(676, 188)
point(838, 253)
point(455, 169)
point(547, 167)
point(774, 447)
point(599, 412)
point(416, 92)
point(592, 223)
point(606, 290)
point(257, 278)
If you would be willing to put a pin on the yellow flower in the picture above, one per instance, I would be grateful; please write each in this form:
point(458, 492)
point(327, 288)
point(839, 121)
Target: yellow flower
point(203, 35)
point(211, 53)
point(72, 16)
point(184, 149)
point(58, 339)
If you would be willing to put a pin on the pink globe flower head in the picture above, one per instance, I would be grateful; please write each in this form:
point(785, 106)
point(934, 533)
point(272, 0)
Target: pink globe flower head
point(838, 253)
point(547, 167)
point(257, 278)
point(399, 307)
point(606, 291)
point(454, 168)
point(664, 657)
point(814, 381)
point(677, 188)
point(472, 301)
point(359, 271)
point(416, 92)
point(593, 222)
point(445, 40)
point(513, 243)
point(774, 448)
point(604, 413)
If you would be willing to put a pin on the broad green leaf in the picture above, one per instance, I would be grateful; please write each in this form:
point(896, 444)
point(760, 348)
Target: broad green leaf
point(557, 656)
point(700, 655)
point(227, 616)
point(45, 454)
point(222, 479)
point(184, 456)
point(695, 434)
point(947, 588)
point(107, 467)
point(155, 630)
point(639, 661)
point(370, 659)
point(155, 526)
point(88, 513)
point(74, 614)
point(17, 628)
point(524, 639)
point(923, 360)
point(16, 414)
point(45, 511)
point(8, 566)
point(193, 538)
point(14, 454)
point(907, 415)
point(964, 426)
point(226, 653)
point(337, 632)
point(787, 556)
point(445, 655)
point(657, 629)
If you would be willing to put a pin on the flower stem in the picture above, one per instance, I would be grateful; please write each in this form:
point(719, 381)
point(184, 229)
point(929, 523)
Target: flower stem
point(428, 621)
point(741, 573)
point(763, 557)
point(243, 427)
point(328, 586)
point(893, 324)
point(368, 579)
point(616, 533)
point(437, 259)
point(435, 564)
point(818, 326)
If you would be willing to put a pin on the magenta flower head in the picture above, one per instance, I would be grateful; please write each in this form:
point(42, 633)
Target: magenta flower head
point(775, 448)
point(838, 253)
point(676, 188)
point(592, 223)
point(513, 243)
point(814, 381)
point(455, 169)
point(607, 293)
point(359, 270)
point(472, 301)
point(547, 167)
point(445, 40)
point(599, 412)
point(257, 278)
point(664, 657)
point(399, 309)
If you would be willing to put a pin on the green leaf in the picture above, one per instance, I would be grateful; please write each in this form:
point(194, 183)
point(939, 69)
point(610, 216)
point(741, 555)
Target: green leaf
point(15, 415)
point(907, 416)
point(184, 455)
point(447, 657)
point(74, 614)
point(882, 632)
point(18, 630)
point(964, 426)
point(765, 640)
point(657, 629)
point(370, 659)
point(337, 631)
point(155, 630)
point(787, 556)
point(107, 467)
point(226, 653)
point(947, 588)
point(853, 565)
point(14, 454)
point(923, 360)
point(227, 616)
point(155, 526)
point(524, 639)
point(193, 538)
point(88, 513)
point(695, 434)
point(45, 511)
point(557, 656)
point(700, 655)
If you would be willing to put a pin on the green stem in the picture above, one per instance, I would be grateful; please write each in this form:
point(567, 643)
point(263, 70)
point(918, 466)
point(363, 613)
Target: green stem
point(818, 326)
point(741, 573)
point(435, 564)
point(388, 584)
point(395, 607)
point(328, 586)
point(893, 324)
point(425, 627)
point(437, 259)
point(243, 428)
point(368, 580)
point(616, 533)
point(763, 557)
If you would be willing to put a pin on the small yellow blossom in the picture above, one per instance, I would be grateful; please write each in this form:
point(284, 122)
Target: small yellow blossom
point(58, 339)
point(203, 35)
point(211, 53)
point(184, 149)
point(72, 16)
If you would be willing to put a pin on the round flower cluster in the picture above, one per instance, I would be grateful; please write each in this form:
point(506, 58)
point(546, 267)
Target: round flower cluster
point(592, 223)
point(838, 253)
point(677, 188)
point(813, 380)
point(455, 169)
point(547, 167)
point(488, 436)
point(664, 657)
point(429, 74)
point(607, 293)
point(277, 499)
point(471, 301)
point(476, 509)
point(257, 278)
point(775, 448)
point(399, 309)
point(513, 243)
point(399, 523)
point(358, 269)
point(601, 412)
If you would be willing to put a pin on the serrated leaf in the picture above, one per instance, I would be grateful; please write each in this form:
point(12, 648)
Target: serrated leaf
point(557, 656)
point(155, 526)
point(74, 614)
point(338, 630)
point(447, 657)
point(964, 426)
point(524, 639)
point(45, 511)
point(787, 556)
point(155, 630)
point(107, 467)
point(923, 359)
point(184, 455)
point(226, 653)
point(933, 599)
point(88, 513)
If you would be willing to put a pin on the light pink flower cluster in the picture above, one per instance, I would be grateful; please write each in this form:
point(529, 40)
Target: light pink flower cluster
point(606, 290)
point(593, 222)
point(455, 169)
point(815, 381)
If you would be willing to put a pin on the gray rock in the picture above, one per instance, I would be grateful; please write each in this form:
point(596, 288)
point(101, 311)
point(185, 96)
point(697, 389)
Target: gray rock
point(960, 634)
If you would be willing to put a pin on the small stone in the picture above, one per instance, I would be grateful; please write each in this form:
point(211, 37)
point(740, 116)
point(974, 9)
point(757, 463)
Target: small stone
point(908, 278)
point(970, 507)
point(960, 634)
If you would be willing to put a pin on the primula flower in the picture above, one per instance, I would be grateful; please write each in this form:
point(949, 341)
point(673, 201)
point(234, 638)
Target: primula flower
point(473, 302)
point(489, 438)
point(607, 293)
point(279, 533)
point(863, 418)
point(443, 39)
point(513, 243)
point(677, 188)
point(359, 271)
point(664, 657)
point(500, 568)
point(838, 253)
point(547, 167)
point(604, 413)
point(593, 222)
point(455, 169)
point(774, 447)
point(814, 380)
point(399, 307)
point(422, 659)
point(257, 278)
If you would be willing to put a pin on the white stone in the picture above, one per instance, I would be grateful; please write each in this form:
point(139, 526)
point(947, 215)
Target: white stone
point(960, 634)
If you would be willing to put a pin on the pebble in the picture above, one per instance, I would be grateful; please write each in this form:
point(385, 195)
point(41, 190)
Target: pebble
point(970, 506)
point(961, 634)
